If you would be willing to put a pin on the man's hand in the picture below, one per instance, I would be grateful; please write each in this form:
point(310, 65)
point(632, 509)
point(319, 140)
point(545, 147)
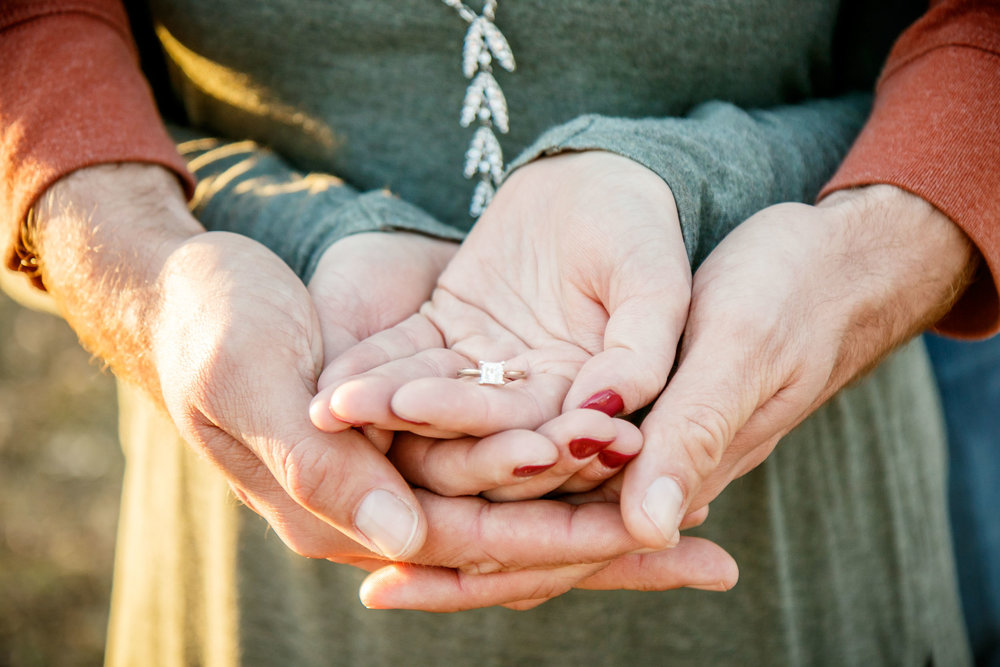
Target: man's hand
point(224, 335)
point(790, 307)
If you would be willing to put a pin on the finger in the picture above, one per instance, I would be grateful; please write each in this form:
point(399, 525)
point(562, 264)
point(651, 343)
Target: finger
point(407, 338)
point(300, 530)
point(412, 335)
point(380, 438)
point(608, 462)
point(525, 605)
point(695, 518)
point(581, 436)
point(366, 399)
point(469, 466)
point(477, 536)
point(512, 465)
point(465, 406)
point(610, 492)
point(685, 437)
point(340, 478)
point(437, 589)
point(694, 563)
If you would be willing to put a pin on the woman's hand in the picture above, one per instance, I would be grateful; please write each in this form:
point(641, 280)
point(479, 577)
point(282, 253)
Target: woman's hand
point(576, 274)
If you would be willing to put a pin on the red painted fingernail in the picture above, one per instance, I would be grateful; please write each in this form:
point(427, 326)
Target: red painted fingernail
point(607, 401)
point(581, 448)
point(614, 459)
point(528, 471)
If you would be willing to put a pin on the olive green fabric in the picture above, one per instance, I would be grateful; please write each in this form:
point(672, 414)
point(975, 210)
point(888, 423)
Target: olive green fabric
point(308, 121)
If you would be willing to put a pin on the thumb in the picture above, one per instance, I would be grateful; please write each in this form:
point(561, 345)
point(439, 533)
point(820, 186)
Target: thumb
point(686, 435)
point(646, 317)
point(258, 431)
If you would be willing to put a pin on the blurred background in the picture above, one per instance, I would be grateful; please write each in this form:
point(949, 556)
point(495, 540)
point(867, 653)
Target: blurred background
point(60, 478)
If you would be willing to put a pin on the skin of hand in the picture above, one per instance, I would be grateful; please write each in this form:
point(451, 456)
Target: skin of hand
point(788, 309)
point(222, 333)
point(225, 337)
point(507, 466)
point(577, 451)
point(574, 252)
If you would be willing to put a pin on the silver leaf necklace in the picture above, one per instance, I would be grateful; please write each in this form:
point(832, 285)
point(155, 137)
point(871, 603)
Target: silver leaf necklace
point(484, 100)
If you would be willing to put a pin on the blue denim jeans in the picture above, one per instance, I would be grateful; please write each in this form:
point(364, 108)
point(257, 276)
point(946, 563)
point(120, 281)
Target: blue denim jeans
point(969, 379)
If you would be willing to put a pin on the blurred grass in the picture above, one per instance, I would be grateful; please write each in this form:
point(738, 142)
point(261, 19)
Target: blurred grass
point(60, 480)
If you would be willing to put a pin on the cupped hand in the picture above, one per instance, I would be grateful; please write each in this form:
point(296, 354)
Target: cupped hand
point(790, 307)
point(576, 274)
point(223, 335)
point(238, 346)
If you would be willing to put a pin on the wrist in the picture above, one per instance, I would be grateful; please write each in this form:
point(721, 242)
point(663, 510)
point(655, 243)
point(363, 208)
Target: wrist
point(101, 235)
point(912, 261)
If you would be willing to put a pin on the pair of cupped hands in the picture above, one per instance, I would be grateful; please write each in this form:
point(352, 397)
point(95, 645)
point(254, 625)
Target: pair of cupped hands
point(335, 410)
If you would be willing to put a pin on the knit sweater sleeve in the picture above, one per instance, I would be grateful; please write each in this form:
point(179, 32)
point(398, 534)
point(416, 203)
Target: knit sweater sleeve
point(724, 163)
point(71, 96)
point(248, 189)
point(935, 131)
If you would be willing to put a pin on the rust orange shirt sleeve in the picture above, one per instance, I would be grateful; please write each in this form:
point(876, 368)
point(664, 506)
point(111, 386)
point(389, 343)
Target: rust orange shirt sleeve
point(71, 96)
point(935, 131)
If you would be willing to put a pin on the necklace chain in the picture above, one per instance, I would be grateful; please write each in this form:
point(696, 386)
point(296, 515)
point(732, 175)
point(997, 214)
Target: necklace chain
point(484, 100)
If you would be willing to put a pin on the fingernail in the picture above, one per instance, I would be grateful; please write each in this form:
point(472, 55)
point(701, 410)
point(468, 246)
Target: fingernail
point(347, 421)
point(614, 459)
point(528, 471)
point(607, 401)
point(662, 506)
point(410, 421)
point(581, 448)
point(389, 523)
point(715, 587)
point(332, 407)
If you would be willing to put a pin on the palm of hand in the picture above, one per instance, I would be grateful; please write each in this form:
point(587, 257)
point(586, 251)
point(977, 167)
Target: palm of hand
point(572, 251)
point(349, 271)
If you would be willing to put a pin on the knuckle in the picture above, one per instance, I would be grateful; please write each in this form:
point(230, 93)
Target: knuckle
point(306, 476)
point(704, 431)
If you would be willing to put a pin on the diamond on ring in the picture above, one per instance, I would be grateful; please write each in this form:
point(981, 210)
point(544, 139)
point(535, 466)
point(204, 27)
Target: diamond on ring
point(491, 372)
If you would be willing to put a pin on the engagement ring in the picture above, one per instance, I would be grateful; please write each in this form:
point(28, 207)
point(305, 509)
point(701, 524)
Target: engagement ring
point(492, 372)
